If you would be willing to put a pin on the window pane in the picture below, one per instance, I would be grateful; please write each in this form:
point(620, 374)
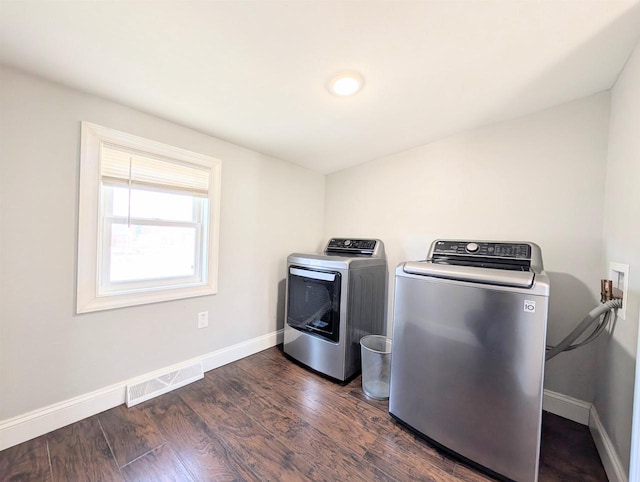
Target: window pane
point(152, 204)
point(152, 252)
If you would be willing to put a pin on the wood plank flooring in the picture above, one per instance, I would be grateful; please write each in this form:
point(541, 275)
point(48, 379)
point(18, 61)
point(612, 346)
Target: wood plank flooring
point(266, 418)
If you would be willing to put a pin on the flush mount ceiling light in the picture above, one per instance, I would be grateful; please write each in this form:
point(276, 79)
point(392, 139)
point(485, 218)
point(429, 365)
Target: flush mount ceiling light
point(346, 83)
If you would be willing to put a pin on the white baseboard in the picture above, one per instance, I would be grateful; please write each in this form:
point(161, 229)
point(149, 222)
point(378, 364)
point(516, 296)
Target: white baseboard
point(608, 454)
point(586, 414)
point(235, 352)
point(566, 407)
point(41, 421)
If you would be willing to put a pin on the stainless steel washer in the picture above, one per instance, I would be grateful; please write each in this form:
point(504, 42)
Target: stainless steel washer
point(334, 299)
point(468, 351)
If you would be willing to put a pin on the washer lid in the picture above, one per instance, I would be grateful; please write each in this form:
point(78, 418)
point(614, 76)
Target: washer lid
point(501, 277)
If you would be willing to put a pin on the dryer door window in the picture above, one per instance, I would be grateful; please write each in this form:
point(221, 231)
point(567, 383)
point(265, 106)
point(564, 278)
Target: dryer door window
point(314, 302)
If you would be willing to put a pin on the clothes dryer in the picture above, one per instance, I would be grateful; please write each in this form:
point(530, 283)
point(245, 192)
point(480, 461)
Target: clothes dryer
point(333, 299)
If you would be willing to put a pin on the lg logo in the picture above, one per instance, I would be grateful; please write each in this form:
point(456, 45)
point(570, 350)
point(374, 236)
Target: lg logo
point(529, 306)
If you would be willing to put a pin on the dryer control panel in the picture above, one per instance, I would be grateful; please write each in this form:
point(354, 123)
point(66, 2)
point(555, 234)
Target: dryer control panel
point(353, 246)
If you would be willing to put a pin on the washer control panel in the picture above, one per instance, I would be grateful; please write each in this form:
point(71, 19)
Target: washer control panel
point(357, 246)
point(483, 248)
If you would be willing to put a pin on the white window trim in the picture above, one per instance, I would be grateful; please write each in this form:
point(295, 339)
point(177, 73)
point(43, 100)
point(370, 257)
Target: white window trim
point(89, 217)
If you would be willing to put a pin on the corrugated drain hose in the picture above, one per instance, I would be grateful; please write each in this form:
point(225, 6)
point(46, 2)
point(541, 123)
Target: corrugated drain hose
point(594, 315)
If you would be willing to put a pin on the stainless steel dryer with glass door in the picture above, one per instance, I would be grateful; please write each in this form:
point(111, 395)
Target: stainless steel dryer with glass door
point(468, 351)
point(334, 299)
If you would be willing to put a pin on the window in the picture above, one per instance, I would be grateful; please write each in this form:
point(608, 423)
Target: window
point(148, 221)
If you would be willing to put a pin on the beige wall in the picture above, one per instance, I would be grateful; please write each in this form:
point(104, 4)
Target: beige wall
point(48, 354)
point(539, 178)
point(621, 238)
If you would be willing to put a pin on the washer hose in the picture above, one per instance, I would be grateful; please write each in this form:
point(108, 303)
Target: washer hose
point(605, 309)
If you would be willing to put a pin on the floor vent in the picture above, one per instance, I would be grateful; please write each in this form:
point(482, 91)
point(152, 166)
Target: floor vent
point(153, 387)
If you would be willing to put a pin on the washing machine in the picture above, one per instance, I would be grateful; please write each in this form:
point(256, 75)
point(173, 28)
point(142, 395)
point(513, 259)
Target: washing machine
point(333, 299)
point(467, 367)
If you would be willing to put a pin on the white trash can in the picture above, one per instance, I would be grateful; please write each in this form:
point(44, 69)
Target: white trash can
point(376, 366)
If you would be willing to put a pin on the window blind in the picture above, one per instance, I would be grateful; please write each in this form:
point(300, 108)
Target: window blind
point(117, 166)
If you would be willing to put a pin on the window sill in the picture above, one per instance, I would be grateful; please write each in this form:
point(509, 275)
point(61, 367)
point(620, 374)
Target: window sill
point(100, 303)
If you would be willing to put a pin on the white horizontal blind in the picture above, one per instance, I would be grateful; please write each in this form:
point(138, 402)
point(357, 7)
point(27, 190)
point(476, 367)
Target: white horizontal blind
point(117, 166)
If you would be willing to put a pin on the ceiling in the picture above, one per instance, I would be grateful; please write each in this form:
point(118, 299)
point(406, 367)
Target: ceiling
point(255, 72)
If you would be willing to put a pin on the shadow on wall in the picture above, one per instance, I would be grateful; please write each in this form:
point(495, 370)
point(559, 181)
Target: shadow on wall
point(282, 292)
point(614, 396)
point(571, 373)
point(570, 299)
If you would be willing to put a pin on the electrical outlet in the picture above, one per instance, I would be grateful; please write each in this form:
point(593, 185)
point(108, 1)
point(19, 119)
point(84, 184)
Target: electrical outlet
point(203, 319)
point(619, 274)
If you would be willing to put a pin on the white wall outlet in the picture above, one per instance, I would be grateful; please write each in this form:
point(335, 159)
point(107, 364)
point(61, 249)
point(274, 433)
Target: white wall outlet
point(203, 319)
point(619, 274)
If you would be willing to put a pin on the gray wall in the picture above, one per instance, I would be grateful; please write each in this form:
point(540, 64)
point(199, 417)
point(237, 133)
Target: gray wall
point(48, 354)
point(621, 239)
point(539, 178)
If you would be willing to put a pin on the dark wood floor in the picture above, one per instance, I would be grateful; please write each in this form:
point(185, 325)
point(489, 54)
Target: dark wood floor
point(266, 418)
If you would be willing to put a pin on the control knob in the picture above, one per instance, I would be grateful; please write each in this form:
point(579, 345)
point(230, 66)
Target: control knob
point(347, 242)
point(472, 247)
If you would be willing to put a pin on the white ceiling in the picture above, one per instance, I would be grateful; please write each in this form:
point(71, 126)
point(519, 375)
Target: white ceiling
point(254, 72)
